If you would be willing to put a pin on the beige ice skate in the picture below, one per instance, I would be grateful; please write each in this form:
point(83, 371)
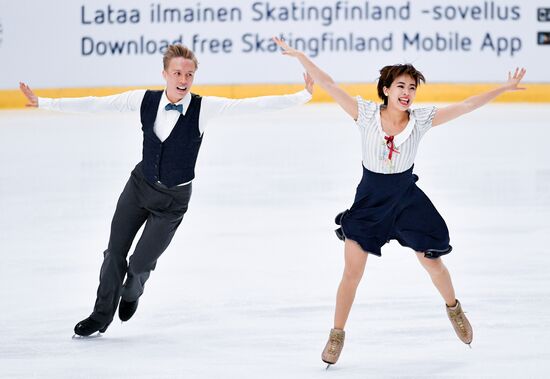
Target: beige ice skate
point(460, 323)
point(334, 346)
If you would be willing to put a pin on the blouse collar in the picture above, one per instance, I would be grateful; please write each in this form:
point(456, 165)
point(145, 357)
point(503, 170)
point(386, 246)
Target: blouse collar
point(403, 135)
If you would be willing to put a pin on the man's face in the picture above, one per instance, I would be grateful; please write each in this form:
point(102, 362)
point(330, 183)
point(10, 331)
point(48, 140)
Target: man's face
point(179, 77)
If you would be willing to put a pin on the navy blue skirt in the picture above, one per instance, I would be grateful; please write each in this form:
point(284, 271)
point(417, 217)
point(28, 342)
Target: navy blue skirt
point(391, 206)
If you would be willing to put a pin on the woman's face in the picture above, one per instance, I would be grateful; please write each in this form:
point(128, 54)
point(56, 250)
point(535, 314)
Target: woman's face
point(401, 93)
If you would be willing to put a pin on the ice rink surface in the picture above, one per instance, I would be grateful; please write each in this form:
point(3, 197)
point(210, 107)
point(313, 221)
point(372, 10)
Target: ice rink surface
point(247, 287)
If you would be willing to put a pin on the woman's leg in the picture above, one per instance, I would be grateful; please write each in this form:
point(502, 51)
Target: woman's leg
point(355, 261)
point(442, 281)
point(440, 277)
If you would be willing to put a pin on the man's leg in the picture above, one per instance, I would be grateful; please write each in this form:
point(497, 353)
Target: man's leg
point(157, 235)
point(127, 220)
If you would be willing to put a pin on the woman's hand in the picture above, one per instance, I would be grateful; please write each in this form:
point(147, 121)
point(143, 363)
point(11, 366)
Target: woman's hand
point(287, 50)
point(31, 97)
point(314, 73)
point(514, 80)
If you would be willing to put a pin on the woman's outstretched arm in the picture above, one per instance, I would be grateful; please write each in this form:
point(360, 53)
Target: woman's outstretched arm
point(453, 111)
point(347, 102)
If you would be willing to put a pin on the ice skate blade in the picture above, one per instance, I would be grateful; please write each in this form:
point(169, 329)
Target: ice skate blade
point(328, 364)
point(90, 337)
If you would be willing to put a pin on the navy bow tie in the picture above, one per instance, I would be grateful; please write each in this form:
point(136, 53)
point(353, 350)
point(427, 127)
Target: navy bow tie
point(178, 107)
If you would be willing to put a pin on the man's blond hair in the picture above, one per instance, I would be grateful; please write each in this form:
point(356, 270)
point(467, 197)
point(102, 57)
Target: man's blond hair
point(176, 51)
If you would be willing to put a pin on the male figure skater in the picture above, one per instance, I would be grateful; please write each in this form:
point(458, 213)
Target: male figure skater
point(158, 191)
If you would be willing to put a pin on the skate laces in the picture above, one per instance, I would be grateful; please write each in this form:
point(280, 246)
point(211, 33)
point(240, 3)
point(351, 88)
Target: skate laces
point(335, 342)
point(458, 317)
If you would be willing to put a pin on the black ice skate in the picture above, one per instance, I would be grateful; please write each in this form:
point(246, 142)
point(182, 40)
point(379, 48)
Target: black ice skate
point(338, 221)
point(126, 309)
point(89, 326)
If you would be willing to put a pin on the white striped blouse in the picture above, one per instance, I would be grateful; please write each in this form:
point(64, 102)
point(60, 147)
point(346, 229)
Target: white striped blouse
point(377, 150)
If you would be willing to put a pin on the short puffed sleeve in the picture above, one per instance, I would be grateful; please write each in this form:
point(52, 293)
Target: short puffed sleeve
point(365, 111)
point(424, 117)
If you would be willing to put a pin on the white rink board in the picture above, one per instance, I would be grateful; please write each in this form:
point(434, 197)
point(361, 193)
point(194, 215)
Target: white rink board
point(70, 43)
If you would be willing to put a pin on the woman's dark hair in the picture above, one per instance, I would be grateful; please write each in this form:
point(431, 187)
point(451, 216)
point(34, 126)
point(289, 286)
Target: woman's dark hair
point(389, 73)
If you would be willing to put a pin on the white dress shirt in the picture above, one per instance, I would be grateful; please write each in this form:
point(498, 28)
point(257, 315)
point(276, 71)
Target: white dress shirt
point(211, 106)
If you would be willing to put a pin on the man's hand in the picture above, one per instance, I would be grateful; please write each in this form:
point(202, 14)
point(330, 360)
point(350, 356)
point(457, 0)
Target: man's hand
point(31, 97)
point(309, 82)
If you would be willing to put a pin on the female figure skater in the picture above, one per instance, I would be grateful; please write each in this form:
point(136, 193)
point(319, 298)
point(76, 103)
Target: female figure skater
point(388, 204)
point(159, 189)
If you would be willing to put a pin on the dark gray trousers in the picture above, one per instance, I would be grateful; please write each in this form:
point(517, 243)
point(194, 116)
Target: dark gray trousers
point(162, 210)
